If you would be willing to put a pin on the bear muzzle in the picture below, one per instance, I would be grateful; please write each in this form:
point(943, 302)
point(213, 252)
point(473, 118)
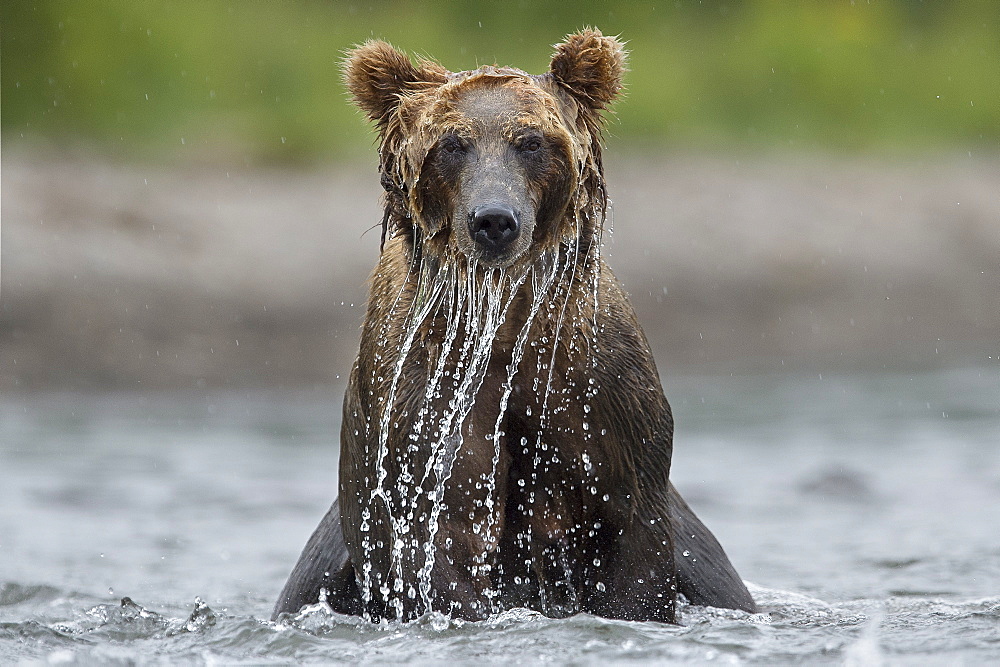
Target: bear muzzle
point(494, 228)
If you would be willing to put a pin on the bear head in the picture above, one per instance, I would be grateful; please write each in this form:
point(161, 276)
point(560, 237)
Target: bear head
point(492, 164)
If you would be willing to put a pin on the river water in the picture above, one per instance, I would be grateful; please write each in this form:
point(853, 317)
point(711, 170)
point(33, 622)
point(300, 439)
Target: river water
point(864, 511)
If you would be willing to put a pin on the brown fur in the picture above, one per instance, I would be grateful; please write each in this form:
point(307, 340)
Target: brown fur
point(545, 427)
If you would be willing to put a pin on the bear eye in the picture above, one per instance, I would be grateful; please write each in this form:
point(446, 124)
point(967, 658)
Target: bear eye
point(452, 144)
point(531, 145)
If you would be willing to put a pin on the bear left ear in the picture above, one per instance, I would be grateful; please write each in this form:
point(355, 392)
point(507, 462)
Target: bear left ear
point(378, 75)
point(590, 66)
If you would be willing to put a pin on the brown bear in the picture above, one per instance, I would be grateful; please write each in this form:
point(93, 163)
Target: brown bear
point(505, 439)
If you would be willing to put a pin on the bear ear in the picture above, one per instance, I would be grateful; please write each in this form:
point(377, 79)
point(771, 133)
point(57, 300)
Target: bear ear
point(377, 75)
point(590, 66)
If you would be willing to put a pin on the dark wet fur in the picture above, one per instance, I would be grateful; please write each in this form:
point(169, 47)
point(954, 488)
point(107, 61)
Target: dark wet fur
point(323, 565)
point(704, 576)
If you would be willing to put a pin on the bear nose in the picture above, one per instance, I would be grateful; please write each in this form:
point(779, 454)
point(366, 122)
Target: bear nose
point(494, 226)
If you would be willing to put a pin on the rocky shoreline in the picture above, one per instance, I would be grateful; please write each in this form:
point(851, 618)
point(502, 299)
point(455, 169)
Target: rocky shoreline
point(154, 277)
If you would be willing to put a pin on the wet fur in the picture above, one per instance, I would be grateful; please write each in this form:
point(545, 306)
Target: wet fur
point(555, 474)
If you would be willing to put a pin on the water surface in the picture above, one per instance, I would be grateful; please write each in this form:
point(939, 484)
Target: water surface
point(863, 510)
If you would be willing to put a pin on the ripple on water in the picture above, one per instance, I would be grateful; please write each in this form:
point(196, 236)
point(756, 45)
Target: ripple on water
point(790, 627)
point(14, 594)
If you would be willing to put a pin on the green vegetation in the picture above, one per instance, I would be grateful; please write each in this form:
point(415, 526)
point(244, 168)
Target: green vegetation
point(259, 80)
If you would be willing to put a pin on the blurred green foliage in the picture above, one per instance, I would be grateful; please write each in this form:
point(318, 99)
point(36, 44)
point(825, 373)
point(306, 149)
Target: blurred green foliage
point(200, 79)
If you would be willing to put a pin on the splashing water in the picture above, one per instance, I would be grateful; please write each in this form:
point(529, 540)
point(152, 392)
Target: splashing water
point(473, 303)
point(484, 316)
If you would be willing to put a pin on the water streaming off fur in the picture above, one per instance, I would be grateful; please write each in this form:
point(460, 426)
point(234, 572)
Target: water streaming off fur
point(473, 304)
point(468, 304)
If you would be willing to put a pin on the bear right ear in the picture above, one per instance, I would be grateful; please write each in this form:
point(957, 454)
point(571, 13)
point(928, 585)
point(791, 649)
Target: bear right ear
point(378, 75)
point(590, 66)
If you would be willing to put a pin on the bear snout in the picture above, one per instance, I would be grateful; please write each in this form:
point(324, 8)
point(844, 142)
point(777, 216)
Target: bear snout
point(494, 227)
